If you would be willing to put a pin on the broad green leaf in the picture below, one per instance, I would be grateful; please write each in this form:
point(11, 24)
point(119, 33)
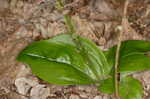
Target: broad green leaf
point(56, 63)
point(132, 56)
point(137, 62)
point(73, 51)
point(72, 40)
point(107, 86)
point(130, 88)
point(92, 55)
point(96, 59)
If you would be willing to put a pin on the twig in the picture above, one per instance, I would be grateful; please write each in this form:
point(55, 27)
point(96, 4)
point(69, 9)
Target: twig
point(121, 31)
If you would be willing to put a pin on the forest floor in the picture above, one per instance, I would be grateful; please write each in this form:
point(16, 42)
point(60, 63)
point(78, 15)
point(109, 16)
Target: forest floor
point(26, 21)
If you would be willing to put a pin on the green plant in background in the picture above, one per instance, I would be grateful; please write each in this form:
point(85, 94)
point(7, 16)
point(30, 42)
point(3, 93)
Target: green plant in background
point(64, 60)
point(69, 59)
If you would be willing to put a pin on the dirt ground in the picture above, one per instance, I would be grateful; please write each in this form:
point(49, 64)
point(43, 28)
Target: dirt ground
point(26, 21)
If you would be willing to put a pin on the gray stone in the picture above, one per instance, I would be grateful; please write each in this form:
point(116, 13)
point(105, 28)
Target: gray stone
point(24, 85)
point(98, 97)
point(74, 97)
point(39, 92)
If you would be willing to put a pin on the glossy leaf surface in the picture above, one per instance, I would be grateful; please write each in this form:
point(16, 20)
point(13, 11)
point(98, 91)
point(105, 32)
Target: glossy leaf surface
point(96, 59)
point(55, 63)
point(107, 86)
point(130, 88)
point(66, 60)
point(132, 56)
point(92, 55)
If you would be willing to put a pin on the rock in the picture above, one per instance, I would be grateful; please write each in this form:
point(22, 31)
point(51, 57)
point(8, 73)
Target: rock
point(146, 77)
point(24, 71)
point(39, 92)
point(24, 85)
point(81, 88)
point(83, 95)
point(74, 97)
point(87, 89)
point(143, 76)
point(106, 97)
point(98, 97)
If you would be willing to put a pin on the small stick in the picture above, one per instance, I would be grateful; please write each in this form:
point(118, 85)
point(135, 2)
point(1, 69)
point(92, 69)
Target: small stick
point(117, 63)
point(121, 31)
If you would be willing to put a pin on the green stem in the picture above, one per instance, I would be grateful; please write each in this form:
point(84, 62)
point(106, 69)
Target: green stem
point(121, 30)
point(68, 21)
point(116, 75)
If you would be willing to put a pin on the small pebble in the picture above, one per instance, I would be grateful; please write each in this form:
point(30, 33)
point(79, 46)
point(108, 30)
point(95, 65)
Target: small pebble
point(39, 92)
point(98, 97)
point(74, 97)
point(24, 85)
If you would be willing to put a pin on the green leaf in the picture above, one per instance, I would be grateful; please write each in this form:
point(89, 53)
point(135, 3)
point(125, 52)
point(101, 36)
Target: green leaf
point(132, 56)
point(130, 88)
point(56, 63)
point(70, 51)
point(107, 86)
point(92, 55)
point(137, 62)
point(96, 59)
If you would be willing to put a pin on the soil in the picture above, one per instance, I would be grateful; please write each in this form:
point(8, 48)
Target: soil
point(25, 21)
